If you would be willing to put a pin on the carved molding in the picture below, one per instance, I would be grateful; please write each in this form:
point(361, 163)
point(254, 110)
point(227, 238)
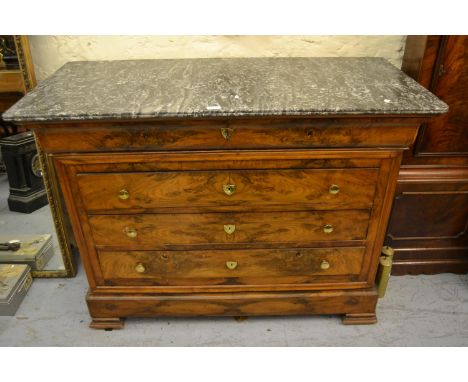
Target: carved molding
point(433, 174)
point(25, 62)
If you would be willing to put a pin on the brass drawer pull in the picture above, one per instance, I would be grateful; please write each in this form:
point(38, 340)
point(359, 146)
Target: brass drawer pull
point(328, 228)
point(229, 228)
point(140, 268)
point(334, 189)
point(131, 232)
point(124, 194)
point(324, 264)
point(231, 264)
point(229, 189)
point(227, 133)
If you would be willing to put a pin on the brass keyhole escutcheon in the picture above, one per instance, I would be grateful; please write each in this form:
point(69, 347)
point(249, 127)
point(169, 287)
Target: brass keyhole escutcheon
point(229, 228)
point(124, 194)
point(229, 189)
point(227, 133)
point(140, 268)
point(334, 189)
point(231, 264)
point(131, 232)
point(328, 228)
point(324, 264)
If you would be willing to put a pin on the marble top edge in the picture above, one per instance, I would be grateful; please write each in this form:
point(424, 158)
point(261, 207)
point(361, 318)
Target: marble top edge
point(224, 87)
point(214, 114)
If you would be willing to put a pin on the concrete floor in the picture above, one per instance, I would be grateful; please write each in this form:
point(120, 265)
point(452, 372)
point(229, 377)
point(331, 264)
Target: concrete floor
point(417, 311)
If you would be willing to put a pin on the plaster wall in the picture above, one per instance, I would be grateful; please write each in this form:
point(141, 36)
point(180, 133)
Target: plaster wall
point(51, 52)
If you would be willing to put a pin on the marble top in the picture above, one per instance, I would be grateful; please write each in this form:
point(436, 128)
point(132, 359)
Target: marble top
point(231, 87)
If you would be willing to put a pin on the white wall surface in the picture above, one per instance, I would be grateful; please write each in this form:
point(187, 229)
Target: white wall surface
point(51, 52)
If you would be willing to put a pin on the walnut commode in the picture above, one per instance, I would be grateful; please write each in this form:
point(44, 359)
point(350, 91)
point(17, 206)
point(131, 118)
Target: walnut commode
point(228, 187)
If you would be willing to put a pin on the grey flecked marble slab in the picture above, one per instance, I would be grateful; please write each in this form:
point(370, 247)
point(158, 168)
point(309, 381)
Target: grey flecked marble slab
point(231, 87)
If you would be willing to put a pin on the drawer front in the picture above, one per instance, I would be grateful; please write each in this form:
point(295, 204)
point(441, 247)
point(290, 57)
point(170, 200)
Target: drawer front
point(320, 189)
point(231, 267)
point(206, 135)
point(160, 230)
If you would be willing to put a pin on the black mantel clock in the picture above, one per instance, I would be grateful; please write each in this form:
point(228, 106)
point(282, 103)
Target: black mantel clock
point(27, 192)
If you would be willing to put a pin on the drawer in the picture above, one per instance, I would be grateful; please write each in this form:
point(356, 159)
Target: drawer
point(231, 267)
point(220, 135)
point(310, 188)
point(154, 231)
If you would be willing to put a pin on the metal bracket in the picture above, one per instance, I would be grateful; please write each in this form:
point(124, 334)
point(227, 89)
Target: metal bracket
point(385, 267)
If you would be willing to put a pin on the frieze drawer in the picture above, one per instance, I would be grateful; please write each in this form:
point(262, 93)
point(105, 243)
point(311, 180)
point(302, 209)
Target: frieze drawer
point(215, 135)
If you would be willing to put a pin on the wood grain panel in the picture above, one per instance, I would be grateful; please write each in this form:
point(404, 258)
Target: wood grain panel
point(255, 266)
point(429, 223)
point(158, 231)
point(11, 81)
point(427, 215)
point(233, 304)
point(448, 134)
point(308, 188)
point(262, 133)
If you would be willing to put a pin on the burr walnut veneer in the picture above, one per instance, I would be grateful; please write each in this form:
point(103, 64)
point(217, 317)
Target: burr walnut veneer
point(271, 197)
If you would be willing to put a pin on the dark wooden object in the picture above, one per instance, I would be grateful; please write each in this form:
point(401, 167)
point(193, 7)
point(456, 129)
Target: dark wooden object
point(7, 100)
point(428, 227)
point(27, 192)
point(160, 235)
